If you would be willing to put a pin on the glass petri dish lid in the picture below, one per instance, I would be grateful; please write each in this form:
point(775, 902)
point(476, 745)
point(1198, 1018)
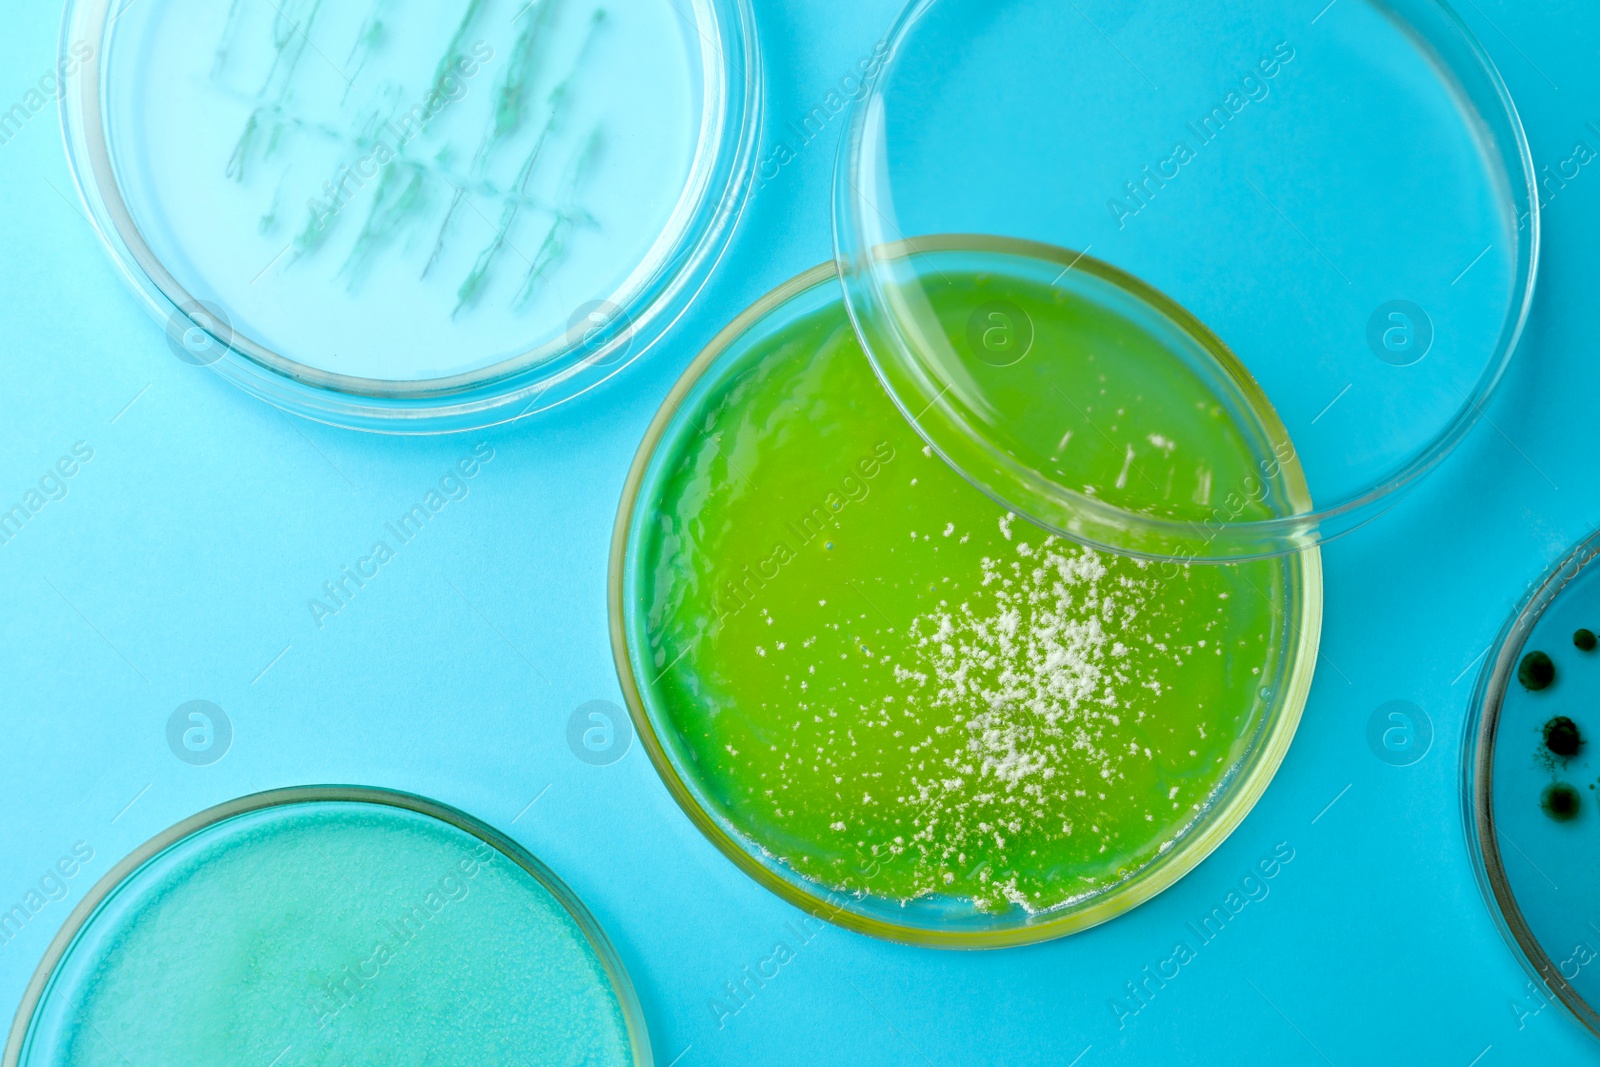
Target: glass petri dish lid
point(1531, 784)
point(1344, 199)
point(413, 218)
point(323, 925)
point(895, 703)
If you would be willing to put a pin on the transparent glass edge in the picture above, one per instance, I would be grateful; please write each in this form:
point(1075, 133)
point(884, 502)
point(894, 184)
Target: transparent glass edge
point(1476, 784)
point(497, 399)
point(1251, 539)
point(1247, 782)
point(175, 835)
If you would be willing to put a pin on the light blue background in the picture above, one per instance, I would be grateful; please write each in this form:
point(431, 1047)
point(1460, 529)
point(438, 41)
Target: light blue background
point(179, 565)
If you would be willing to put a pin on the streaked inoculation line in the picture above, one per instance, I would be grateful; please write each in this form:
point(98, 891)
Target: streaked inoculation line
point(295, 26)
point(466, 198)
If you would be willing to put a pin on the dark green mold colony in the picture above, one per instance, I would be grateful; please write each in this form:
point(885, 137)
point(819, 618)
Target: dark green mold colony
point(1536, 671)
point(1560, 802)
point(1561, 737)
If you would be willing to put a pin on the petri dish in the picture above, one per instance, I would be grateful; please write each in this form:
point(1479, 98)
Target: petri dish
point(329, 925)
point(413, 218)
point(1531, 783)
point(896, 703)
point(1343, 196)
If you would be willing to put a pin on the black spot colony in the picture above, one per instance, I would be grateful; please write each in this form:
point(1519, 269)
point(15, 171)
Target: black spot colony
point(1560, 802)
point(1561, 737)
point(1536, 671)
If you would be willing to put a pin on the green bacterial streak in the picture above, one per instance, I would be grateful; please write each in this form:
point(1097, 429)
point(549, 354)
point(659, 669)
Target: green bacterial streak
point(220, 59)
point(367, 38)
point(568, 215)
point(290, 37)
point(320, 226)
point(511, 106)
point(472, 287)
point(515, 91)
point(238, 160)
point(453, 54)
point(883, 679)
point(402, 190)
point(269, 221)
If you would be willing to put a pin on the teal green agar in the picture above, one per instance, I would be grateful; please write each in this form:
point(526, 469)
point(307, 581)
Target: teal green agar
point(331, 934)
point(875, 675)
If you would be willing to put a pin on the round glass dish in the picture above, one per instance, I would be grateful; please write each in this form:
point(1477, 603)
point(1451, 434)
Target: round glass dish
point(1344, 196)
point(328, 925)
point(1531, 784)
point(413, 218)
point(973, 736)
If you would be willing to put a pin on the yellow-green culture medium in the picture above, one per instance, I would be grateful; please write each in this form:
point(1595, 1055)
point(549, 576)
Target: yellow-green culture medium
point(897, 703)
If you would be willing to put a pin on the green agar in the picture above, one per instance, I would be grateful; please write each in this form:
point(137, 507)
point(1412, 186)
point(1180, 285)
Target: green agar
point(891, 684)
point(1074, 394)
point(336, 934)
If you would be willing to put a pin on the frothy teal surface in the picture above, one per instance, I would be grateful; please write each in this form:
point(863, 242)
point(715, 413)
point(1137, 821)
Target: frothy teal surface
point(331, 933)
